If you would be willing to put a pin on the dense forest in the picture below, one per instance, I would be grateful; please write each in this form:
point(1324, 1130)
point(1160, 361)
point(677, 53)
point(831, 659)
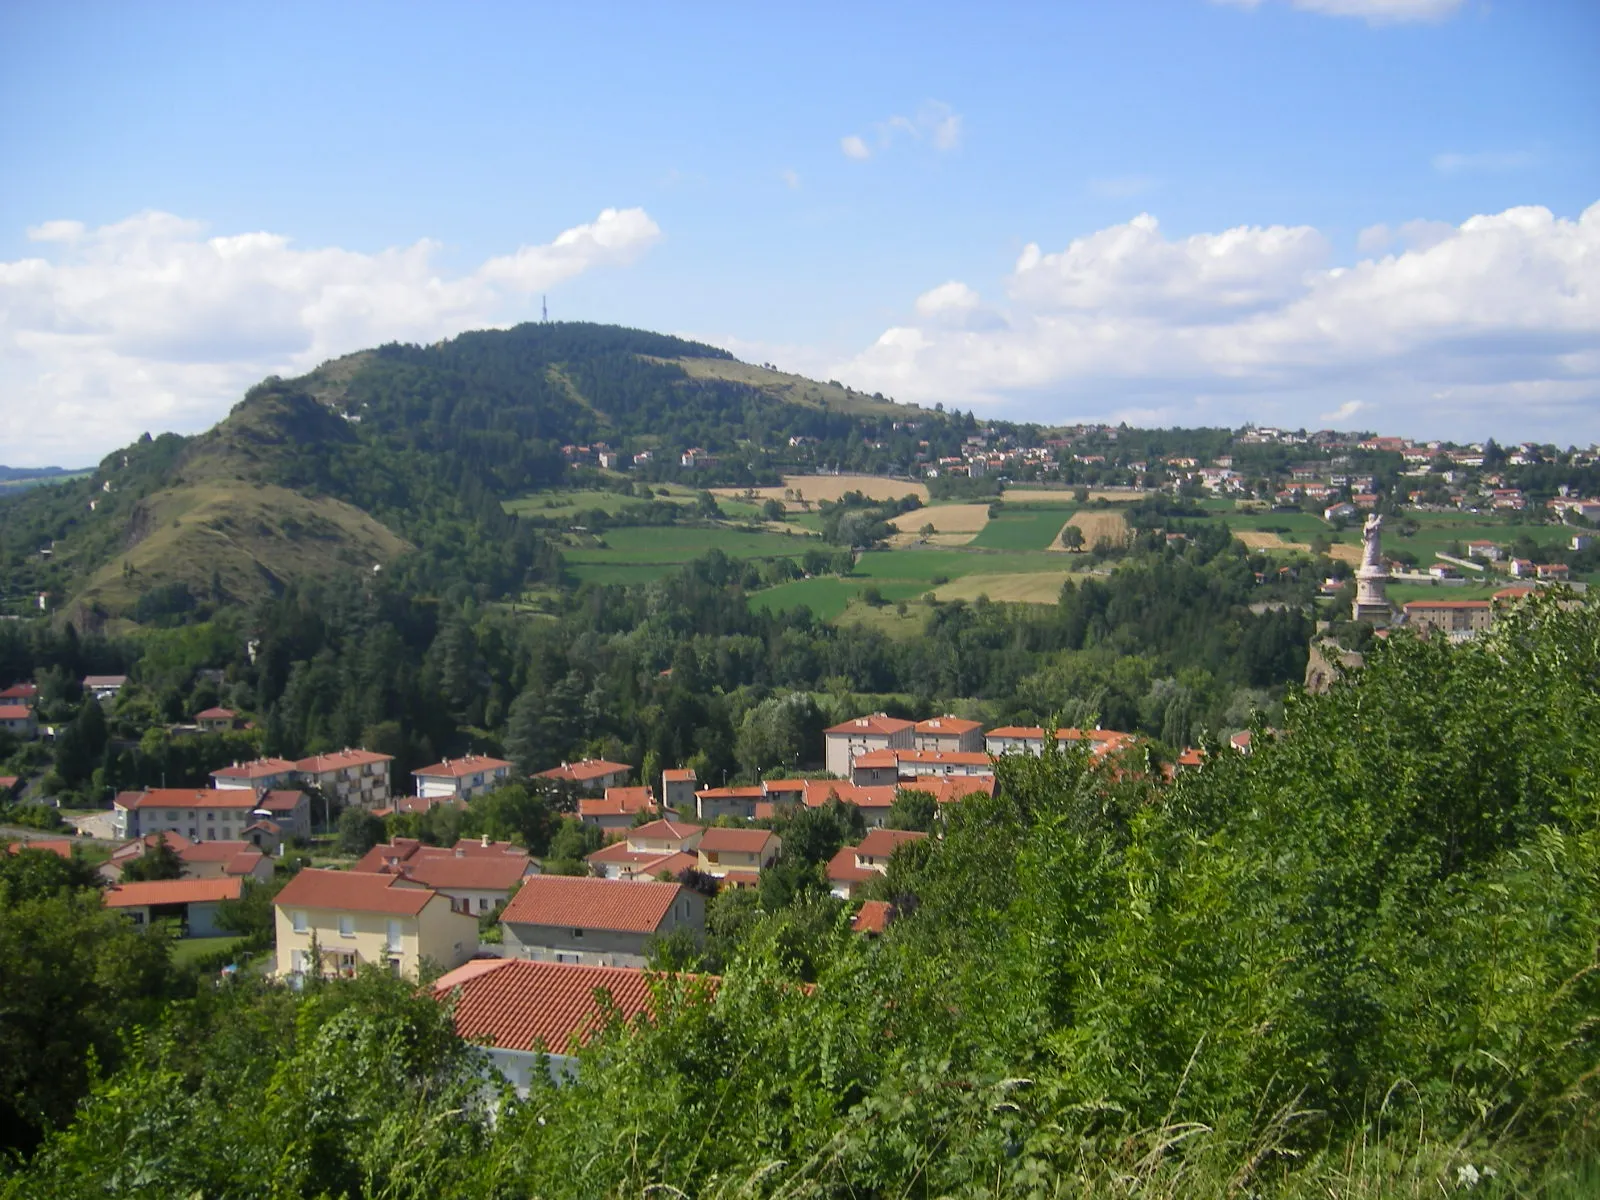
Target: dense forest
point(1358, 962)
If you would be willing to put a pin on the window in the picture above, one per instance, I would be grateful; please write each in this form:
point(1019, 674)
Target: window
point(211, 835)
point(569, 958)
point(297, 961)
point(577, 934)
point(347, 925)
point(172, 814)
point(394, 936)
point(299, 921)
point(483, 904)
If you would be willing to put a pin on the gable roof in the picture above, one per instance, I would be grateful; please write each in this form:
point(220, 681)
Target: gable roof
point(877, 725)
point(579, 903)
point(319, 763)
point(676, 775)
point(189, 798)
point(736, 841)
point(665, 829)
point(456, 768)
point(215, 714)
point(842, 867)
point(583, 772)
point(283, 800)
point(15, 712)
point(258, 769)
point(873, 917)
point(619, 802)
point(953, 725)
point(20, 691)
point(352, 891)
point(172, 891)
point(481, 872)
point(520, 1005)
point(894, 757)
point(881, 843)
point(90, 681)
point(58, 846)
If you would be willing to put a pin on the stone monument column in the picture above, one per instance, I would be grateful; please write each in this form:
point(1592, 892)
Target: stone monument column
point(1371, 604)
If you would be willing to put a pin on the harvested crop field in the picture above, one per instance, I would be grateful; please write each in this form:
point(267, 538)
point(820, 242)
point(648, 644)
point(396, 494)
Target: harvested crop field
point(953, 524)
point(830, 487)
point(1042, 587)
point(1111, 526)
point(1065, 497)
point(1260, 539)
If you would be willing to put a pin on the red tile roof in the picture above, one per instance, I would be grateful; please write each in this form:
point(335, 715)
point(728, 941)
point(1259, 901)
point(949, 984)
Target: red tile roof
point(456, 768)
point(878, 725)
point(519, 1005)
point(730, 793)
point(60, 846)
point(881, 843)
point(585, 771)
point(1018, 731)
point(842, 868)
point(664, 830)
point(15, 712)
point(282, 800)
point(955, 758)
point(947, 790)
point(20, 691)
point(619, 802)
point(1464, 604)
point(954, 725)
point(172, 891)
point(405, 849)
point(338, 761)
point(478, 872)
point(189, 798)
point(580, 903)
point(259, 769)
point(215, 714)
point(736, 841)
point(223, 852)
point(873, 917)
point(1514, 593)
point(352, 891)
point(686, 775)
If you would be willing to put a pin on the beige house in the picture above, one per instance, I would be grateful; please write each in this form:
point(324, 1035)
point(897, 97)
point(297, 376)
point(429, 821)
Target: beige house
point(331, 922)
point(737, 855)
point(952, 735)
point(854, 866)
point(1456, 619)
point(649, 852)
point(844, 741)
point(355, 778)
point(215, 720)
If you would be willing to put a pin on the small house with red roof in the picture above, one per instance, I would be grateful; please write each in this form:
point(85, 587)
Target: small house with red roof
point(596, 922)
point(739, 853)
point(677, 788)
point(476, 875)
point(193, 903)
point(331, 923)
point(25, 693)
point(18, 720)
point(665, 847)
point(201, 860)
point(854, 866)
point(872, 918)
point(616, 810)
point(861, 735)
point(461, 778)
point(591, 776)
point(216, 720)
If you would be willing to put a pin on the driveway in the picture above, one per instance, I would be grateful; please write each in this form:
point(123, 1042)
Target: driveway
point(95, 824)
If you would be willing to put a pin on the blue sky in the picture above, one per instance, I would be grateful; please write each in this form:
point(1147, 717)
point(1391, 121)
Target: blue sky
point(1369, 213)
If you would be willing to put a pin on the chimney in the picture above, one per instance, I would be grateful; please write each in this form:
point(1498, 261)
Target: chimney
point(486, 841)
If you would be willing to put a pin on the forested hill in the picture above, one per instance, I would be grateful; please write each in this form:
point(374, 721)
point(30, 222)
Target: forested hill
point(399, 458)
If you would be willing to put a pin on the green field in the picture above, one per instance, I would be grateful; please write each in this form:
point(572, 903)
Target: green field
point(923, 564)
point(1301, 526)
point(828, 596)
point(560, 505)
point(1024, 528)
point(638, 554)
point(188, 950)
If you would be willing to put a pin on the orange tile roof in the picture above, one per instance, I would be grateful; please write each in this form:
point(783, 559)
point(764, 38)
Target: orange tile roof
point(58, 846)
point(352, 891)
point(1018, 731)
point(685, 775)
point(406, 849)
point(730, 793)
point(579, 903)
point(667, 829)
point(736, 841)
point(189, 798)
point(213, 851)
point(583, 772)
point(955, 725)
point(878, 724)
point(873, 917)
point(949, 789)
point(215, 714)
point(478, 872)
point(260, 768)
point(842, 868)
point(515, 1004)
point(172, 891)
point(20, 691)
point(619, 802)
point(956, 758)
point(456, 768)
point(318, 763)
point(282, 800)
point(881, 843)
point(15, 712)
point(1465, 604)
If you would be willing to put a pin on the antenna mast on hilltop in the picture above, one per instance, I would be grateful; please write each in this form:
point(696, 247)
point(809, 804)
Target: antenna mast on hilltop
point(544, 304)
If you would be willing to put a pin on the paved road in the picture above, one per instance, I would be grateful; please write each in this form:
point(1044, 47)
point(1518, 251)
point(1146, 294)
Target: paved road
point(95, 825)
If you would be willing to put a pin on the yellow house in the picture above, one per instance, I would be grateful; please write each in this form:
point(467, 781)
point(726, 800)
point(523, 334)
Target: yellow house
point(330, 922)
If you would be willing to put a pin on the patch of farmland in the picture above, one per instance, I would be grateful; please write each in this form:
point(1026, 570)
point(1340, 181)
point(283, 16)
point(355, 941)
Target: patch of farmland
point(817, 488)
point(1065, 496)
point(953, 524)
point(1021, 528)
point(1040, 587)
point(1112, 526)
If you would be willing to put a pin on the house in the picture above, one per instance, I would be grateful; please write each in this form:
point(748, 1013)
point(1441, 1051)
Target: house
point(1339, 512)
point(350, 918)
point(208, 814)
point(1522, 568)
point(856, 865)
point(18, 720)
point(677, 789)
point(1556, 572)
point(26, 694)
point(526, 1018)
point(615, 811)
point(891, 766)
point(1440, 570)
point(665, 847)
point(1457, 619)
point(944, 790)
point(711, 803)
point(844, 741)
point(1029, 739)
point(950, 734)
point(216, 720)
point(8, 786)
point(592, 776)
point(596, 922)
point(354, 778)
point(737, 855)
point(461, 778)
point(201, 860)
point(1485, 550)
point(193, 903)
point(872, 918)
point(60, 847)
point(476, 876)
point(261, 774)
point(104, 687)
point(1241, 741)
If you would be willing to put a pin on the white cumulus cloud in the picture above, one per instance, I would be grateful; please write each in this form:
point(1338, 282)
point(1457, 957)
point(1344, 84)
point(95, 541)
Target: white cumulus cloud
point(148, 324)
point(1492, 326)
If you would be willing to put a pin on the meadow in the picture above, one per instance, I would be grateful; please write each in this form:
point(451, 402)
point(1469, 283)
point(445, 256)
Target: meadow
point(1023, 527)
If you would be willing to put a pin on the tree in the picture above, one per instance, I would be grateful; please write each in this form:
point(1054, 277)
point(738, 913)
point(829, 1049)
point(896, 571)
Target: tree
point(81, 745)
point(515, 811)
point(159, 861)
point(773, 510)
point(913, 809)
point(779, 732)
point(1072, 537)
point(359, 831)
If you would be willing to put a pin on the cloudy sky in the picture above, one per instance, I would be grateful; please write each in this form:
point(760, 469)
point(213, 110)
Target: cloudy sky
point(1362, 213)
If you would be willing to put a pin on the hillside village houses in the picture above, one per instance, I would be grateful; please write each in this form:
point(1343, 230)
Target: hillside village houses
point(350, 777)
point(677, 788)
point(649, 851)
point(329, 923)
point(478, 876)
point(894, 766)
point(950, 735)
point(192, 903)
point(210, 814)
point(879, 731)
point(854, 866)
point(591, 776)
point(737, 856)
point(618, 808)
point(201, 860)
point(460, 779)
point(596, 922)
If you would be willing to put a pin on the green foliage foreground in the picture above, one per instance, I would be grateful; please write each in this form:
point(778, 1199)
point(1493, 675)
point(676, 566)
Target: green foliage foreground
point(1361, 962)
